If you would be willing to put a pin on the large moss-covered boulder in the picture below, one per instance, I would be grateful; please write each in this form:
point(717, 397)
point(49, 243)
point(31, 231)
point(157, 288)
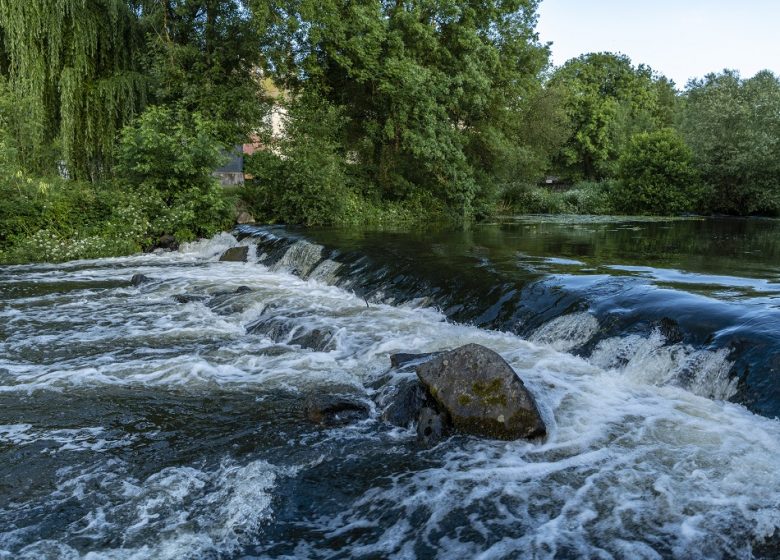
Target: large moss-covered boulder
point(481, 393)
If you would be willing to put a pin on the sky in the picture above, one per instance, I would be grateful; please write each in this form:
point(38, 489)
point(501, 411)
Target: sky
point(682, 40)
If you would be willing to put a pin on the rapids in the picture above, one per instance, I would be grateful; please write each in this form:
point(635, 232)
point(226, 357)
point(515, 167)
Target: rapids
point(133, 426)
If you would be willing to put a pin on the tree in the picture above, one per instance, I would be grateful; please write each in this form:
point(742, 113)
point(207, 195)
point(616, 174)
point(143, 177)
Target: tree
point(91, 66)
point(304, 180)
point(203, 55)
point(657, 176)
point(733, 127)
point(608, 100)
point(78, 61)
point(431, 91)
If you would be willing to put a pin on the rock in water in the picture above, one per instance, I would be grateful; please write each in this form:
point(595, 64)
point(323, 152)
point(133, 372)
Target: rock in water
point(670, 329)
point(167, 242)
point(481, 393)
point(188, 298)
point(402, 360)
point(139, 279)
point(235, 254)
point(335, 410)
point(431, 427)
point(403, 402)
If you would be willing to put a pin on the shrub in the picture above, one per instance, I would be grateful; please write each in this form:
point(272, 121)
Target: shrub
point(302, 180)
point(56, 220)
point(164, 185)
point(168, 157)
point(657, 176)
point(584, 198)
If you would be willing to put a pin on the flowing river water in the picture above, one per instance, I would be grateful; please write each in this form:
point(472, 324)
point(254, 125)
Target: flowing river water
point(136, 423)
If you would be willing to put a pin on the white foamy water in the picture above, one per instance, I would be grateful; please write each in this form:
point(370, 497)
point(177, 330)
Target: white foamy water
point(567, 331)
point(174, 514)
point(642, 460)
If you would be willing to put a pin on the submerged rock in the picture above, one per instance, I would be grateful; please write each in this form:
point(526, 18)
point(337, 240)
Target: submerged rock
point(403, 360)
point(189, 298)
point(432, 426)
point(283, 330)
point(235, 254)
point(670, 330)
point(226, 302)
point(139, 279)
point(315, 339)
point(402, 403)
point(335, 409)
point(481, 394)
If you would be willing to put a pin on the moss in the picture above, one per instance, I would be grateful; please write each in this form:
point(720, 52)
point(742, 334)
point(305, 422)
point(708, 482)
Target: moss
point(464, 399)
point(490, 393)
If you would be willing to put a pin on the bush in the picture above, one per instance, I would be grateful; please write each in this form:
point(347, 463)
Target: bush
point(584, 198)
point(657, 176)
point(167, 158)
point(56, 220)
point(302, 180)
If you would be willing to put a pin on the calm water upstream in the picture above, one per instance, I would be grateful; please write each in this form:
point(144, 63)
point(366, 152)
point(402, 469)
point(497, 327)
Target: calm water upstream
point(135, 423)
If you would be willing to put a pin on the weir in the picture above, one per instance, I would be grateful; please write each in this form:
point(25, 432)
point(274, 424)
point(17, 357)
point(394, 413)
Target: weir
point(613, 321)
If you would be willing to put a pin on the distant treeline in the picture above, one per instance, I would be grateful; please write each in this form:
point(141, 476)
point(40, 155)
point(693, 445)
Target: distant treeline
point(393, 110)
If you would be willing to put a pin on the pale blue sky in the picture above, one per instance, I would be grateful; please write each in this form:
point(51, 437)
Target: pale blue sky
point(683, 39)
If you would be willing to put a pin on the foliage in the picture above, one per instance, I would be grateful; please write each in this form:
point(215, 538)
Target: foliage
point(164, 185)
point(16, 129)
point(303, 180)
point(608, 100)
point(168, 155)
point(395, 112)
point(77, 61)
point(656, 175)
point(431, 92)
point(56, 220)
point(203, 55)
point(733, 127)
point(89, 66)
point(583, 198)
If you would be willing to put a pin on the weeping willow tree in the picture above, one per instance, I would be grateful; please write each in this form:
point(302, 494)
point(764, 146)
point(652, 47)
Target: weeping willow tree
point(78, 61)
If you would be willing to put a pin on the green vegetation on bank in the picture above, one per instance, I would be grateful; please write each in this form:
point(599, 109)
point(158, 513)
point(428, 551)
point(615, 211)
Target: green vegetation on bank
point(112, 119)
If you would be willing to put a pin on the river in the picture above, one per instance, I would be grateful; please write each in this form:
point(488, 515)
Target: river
point(136, 423)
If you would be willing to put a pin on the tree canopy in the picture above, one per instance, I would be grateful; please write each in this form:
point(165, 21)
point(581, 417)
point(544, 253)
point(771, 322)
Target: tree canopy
point(733, 127)
point(431, 92)
point(448, 104)
point(79, 63)
point(608, 100)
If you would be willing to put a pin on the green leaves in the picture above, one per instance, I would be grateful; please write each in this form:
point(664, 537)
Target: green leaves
point(78, 62)
point(733, 127)
point(657, 176)
point(608, 100)
point(430, 90)
point(169, 155)
point(303, 181)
